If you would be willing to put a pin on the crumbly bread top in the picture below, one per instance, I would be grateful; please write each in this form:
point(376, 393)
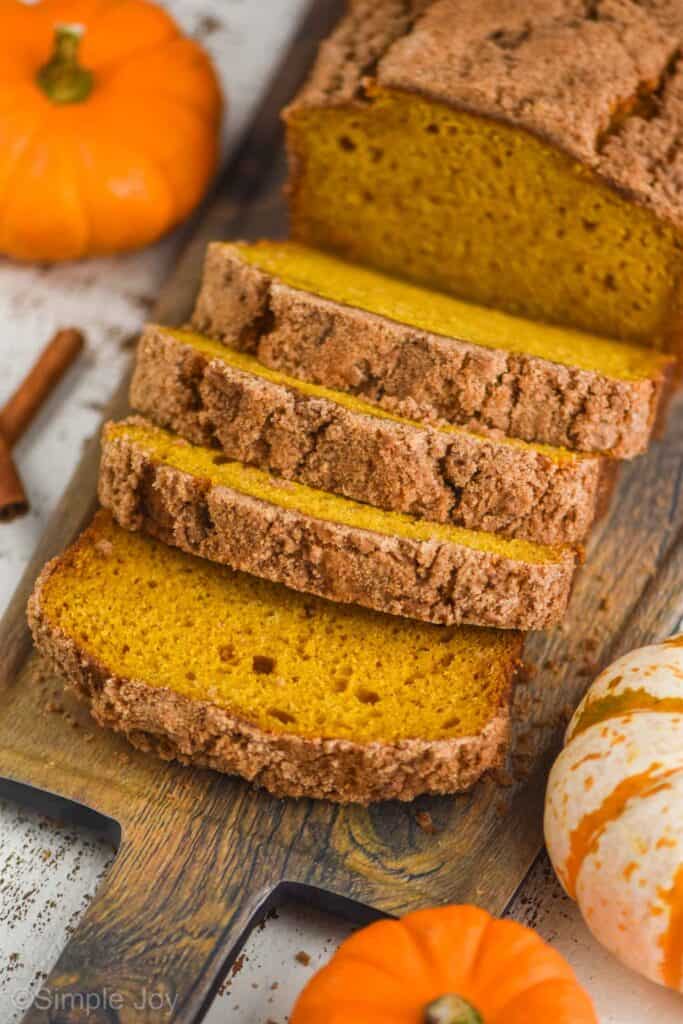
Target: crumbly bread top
point(331, 278)
point(283, 661)
point(246, 363)
point(601, 79)
point(208, 464)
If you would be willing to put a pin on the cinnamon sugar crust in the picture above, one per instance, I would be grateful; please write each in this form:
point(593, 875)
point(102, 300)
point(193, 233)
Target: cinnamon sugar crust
point(419, 375)
point(457, 477)
point(433, 580)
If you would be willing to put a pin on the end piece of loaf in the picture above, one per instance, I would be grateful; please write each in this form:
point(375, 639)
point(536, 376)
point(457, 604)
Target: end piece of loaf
point(521, 155)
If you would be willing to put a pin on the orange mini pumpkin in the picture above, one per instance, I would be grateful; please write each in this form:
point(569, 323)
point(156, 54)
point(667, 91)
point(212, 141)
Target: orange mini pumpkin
point(109, 126)
point(450, 965)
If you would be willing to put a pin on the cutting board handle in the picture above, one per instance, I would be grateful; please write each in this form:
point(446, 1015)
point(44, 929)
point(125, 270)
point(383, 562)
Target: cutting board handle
point(158, 938)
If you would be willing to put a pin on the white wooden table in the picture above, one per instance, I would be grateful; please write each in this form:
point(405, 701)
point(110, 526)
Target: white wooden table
point(47, 873)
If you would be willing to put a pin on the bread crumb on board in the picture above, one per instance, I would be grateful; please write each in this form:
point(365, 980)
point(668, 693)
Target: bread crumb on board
point(426, 823)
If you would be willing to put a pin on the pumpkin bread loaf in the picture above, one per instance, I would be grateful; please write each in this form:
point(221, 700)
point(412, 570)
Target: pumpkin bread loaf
point(427, 356)
point(521, 155)
point(214, 395)
point(306, 698)
point(324, 544)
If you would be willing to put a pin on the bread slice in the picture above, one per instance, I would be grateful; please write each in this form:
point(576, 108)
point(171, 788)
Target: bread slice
point(428, 356)
point(306, 698)
point(520, 155)
point(323, 544)
point(214, 395)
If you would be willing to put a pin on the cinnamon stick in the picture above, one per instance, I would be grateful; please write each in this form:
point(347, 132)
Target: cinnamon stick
point(15, 417)
point(39, 382)
point(13, 501)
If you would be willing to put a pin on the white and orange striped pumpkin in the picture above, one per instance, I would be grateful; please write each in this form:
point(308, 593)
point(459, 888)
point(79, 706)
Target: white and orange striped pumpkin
point(614, 811)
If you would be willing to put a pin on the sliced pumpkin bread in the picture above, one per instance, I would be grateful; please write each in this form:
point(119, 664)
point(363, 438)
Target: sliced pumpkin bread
point(520, 155)
point(324, 544)
point(211, 667)
point(426, 355)
point(214, 395)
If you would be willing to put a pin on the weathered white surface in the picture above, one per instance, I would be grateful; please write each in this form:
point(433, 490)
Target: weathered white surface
point(47, 873)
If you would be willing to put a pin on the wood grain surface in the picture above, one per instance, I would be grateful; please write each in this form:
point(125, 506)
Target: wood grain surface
point(201, 856)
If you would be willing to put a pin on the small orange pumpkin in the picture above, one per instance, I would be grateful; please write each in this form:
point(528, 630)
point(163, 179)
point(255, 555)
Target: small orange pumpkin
point(109, 126)
point(449, 965)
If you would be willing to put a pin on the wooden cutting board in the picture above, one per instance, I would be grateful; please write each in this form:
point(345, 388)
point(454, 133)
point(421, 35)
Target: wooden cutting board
point(202, 857)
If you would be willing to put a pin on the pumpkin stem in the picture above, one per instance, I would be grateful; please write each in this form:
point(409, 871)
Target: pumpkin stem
point(451, 1009)
point(62, 78)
